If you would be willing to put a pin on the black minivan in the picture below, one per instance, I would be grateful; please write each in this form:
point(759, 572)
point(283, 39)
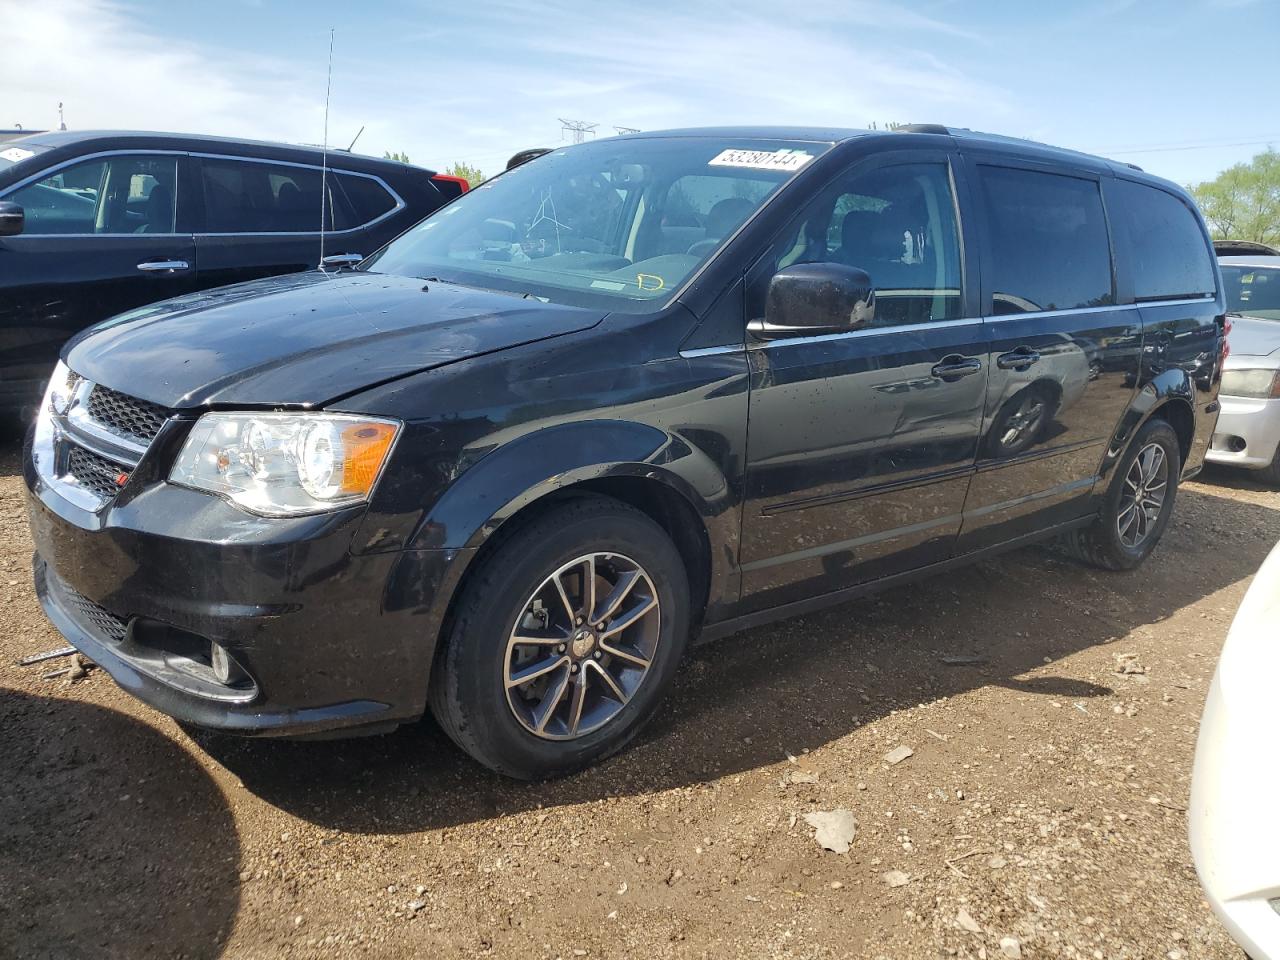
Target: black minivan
point(93, 224)
point(632, 392)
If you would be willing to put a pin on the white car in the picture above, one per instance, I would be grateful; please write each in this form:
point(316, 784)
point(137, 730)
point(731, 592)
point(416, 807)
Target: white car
point(1235, 786)
point(1248, 431)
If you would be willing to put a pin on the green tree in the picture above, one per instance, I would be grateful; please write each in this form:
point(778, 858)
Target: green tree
point(471, 174)
point(396, 155)
point(1243, 202)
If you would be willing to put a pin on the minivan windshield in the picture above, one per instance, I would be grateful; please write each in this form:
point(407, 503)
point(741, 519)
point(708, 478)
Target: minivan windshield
point(15, 152)
point(1252, 291)
point(619, 223)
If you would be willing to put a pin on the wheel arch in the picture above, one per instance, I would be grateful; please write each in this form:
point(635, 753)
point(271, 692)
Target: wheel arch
point(674, 483)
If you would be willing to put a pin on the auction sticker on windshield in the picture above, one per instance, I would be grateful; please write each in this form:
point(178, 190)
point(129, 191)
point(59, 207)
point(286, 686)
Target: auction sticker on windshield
point(789, 160)
point(14, 154)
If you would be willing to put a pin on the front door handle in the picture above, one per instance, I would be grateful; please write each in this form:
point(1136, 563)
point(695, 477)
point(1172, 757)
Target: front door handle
point(1018, 359)
point(163, 266)
point(953, 367)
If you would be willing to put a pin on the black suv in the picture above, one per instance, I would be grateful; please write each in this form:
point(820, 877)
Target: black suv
point(93, 224)
point(629, 393)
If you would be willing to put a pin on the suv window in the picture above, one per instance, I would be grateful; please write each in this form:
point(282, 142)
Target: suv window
point(899, 225)
point(366, 198)
point(247, 196)
point(110, 195)
point(1170, 257)
point(1048, 239)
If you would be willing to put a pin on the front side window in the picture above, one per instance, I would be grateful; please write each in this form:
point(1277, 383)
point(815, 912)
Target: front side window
point(899, 225)
point(1170, 257)
point(619, 223)
point(1252, 291)
point(109, 195)
point(1048, 239)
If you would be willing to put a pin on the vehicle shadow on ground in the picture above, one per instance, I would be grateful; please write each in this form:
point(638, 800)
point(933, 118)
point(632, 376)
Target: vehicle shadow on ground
point(1234, 478)
point(749, 700)
point(114, 842)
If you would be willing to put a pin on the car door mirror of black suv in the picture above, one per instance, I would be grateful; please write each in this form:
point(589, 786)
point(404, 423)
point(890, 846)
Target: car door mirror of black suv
point(808, 299)
point(12, 218)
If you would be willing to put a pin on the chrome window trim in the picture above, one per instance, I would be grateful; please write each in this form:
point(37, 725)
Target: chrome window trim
point(47, 172)
point(962, 321)
point(1109, 308)
point(869, 332)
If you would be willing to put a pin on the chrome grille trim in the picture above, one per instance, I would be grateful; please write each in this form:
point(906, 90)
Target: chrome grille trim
point(82, 457)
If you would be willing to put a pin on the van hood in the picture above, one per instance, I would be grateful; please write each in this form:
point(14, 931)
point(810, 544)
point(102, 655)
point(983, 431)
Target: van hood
point(1253, 336)
point(306, 339)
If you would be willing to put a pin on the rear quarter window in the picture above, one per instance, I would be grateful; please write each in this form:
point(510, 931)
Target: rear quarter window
point(1168, 255)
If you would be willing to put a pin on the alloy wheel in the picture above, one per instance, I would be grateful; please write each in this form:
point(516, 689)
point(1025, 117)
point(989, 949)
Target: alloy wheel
point(582, 646)
point(1024, 422)
point(1142, 497)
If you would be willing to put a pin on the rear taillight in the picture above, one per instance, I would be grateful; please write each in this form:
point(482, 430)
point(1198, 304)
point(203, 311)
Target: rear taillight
point(462, 185)
point(1226, 334)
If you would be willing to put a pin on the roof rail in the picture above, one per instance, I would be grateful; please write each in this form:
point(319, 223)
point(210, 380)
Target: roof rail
point(923, 128)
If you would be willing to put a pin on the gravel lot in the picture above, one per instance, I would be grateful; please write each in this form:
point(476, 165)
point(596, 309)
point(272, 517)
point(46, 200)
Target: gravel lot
point(1044, 801)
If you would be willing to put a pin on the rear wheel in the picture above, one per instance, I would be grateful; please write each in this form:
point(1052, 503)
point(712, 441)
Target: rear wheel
point(1138, 503)
point(563, 641)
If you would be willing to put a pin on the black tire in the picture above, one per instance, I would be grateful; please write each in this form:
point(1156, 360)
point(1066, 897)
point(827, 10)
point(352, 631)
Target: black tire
point(1100, 544)
point(468, 692)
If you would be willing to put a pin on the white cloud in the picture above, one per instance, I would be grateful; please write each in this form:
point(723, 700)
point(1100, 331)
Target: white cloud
point(477, 87)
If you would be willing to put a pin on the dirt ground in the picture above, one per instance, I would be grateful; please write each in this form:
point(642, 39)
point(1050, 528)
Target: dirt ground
point(1044, 801)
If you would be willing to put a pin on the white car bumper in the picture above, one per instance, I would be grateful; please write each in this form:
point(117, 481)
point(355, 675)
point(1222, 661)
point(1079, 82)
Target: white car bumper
point(1247, 433)
point(1234, 817)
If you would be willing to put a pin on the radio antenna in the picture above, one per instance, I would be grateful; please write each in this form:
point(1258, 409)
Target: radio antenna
point(324, 152)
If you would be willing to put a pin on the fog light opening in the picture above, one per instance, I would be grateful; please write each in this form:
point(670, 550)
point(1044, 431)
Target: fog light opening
point(225, 669)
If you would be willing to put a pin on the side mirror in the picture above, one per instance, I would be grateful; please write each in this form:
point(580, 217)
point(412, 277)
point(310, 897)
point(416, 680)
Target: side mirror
point(816, 298)
point(12, 218)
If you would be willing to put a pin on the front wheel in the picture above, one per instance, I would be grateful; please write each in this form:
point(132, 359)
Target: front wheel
point(1138, 503)
point(563, 641)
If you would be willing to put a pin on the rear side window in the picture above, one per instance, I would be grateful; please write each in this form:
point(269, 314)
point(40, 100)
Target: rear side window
point(258, 197)
point(1048, 241)
point(1169, 256)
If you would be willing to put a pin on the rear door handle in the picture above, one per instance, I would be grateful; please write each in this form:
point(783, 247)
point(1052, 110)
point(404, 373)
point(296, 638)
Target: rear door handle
point(1018, 359)
point(952, 368)
point(163, 266)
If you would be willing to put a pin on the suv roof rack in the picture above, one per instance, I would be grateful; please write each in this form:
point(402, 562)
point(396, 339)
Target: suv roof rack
point(923, 128)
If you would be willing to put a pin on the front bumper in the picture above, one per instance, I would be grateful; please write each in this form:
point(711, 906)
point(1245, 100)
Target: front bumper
point(1247, 434)
point(1235, 838)
point(328, 639)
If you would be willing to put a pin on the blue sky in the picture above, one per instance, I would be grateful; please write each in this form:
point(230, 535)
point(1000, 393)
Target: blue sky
point(1184, 88)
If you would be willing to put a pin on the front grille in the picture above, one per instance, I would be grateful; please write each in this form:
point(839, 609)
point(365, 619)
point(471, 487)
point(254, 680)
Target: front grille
point(94, 472)
point(125, 414)
point(101, 620)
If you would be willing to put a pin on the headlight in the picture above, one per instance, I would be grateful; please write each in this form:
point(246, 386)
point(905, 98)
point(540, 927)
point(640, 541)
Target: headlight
point(1255, 384)
point(282, 464)
point(62, 385)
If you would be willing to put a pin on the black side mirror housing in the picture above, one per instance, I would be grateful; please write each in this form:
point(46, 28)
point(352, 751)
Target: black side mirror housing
point(808, 299)
point(12, 218)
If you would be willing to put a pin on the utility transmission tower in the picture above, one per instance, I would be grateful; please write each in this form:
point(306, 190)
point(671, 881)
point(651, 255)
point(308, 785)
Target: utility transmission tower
point(622, 130)
point(579, 129)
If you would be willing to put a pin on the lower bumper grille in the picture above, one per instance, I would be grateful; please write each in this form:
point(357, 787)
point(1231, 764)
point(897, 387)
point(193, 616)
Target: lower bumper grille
point(102, 621)
point(104, 477)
